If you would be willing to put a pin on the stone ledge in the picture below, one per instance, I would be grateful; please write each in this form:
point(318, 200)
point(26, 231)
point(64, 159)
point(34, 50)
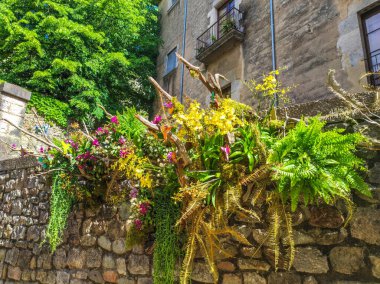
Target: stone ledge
point(15, 91)
point(326, 106)
point(18, 163)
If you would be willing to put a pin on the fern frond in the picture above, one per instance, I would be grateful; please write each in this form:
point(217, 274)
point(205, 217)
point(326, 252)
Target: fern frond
point(193, 206)
point(259, 174)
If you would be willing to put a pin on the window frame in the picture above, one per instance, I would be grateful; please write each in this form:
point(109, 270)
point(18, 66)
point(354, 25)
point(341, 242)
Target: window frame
point(172, 4)
point(167, 72)
point(363, 16)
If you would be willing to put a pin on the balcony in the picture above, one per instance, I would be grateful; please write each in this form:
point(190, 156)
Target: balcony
point(221, 36)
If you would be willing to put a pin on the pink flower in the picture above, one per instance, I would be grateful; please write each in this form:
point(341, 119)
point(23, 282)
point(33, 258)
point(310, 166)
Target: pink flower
point(95, 143)
point(168, 105)
point(171, 157)
point(144, 208)
point(41, 150)
point(226, 151)
point(133, 193)
point(14, 146)
point(114, 120)
point(99, 131)
point(157, 119)
point(138, 224)
point(123, 153)
point(122, 140)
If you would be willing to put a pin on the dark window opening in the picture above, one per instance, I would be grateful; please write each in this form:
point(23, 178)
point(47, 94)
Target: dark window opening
point(371, 32)
point(226, 91)
point(171, 63)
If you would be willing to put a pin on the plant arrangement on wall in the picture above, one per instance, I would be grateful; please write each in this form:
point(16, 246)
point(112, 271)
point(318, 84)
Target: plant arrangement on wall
point(190, 170)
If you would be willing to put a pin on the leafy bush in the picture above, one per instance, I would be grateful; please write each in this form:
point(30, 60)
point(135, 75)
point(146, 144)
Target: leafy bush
point(52, 109)
point(317, 164)
point(76, 52)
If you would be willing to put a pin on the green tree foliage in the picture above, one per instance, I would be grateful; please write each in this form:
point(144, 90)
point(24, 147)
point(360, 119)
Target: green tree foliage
point(82, 52)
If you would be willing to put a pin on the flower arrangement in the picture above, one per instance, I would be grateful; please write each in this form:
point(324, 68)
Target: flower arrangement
point(189, 170)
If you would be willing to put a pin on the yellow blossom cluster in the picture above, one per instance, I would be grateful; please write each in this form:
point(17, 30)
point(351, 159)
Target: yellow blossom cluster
point(223, 119)
point(133, 168)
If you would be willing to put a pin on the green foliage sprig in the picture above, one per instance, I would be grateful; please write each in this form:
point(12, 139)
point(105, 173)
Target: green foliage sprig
point(61, 202)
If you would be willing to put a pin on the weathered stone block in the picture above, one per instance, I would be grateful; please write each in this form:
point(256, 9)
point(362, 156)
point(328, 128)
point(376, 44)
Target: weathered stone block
point(231, 279)
point(63, 277)
point(347, 260)
point(253, 252)
point(94, 258)
point(12, 256)
point(325, 216)
point(119, 247)
point(253, 278)
point(121, 266)
point(144, 280)
point(226, 266)
point(126, 280)
point(76, 258)
point(96, 276)
point(201, 273)
point(59, 259)
point(138, 264)
point(14, 273)
point(310, 260)
point(374, 174)
point(375, 261)
point(104, 242)
point(284, 278)
point(365, 225)
point(110, 276)
point(253, 264)
point(309, 280)
point(108, 262)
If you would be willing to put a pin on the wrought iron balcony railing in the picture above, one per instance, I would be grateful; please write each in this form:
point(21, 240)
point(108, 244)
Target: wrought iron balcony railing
point(229, 22)
point(374, 66)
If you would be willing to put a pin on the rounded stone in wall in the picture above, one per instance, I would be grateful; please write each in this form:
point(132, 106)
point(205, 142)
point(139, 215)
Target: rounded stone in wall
point(347, 260)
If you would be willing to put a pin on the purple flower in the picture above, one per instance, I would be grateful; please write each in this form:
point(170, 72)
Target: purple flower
point(122, 140)
point(157, 119)
point(14, 146)
point(123, 153)
point(138, 224)
point(226, 151)
point(95, 143)
point(41, 150)
point(114, 120)
point(133, 193)
point(168, 105)
point(171, 157)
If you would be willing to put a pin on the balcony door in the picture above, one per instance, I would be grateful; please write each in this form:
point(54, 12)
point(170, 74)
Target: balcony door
point(371, 31)
point(223, 15)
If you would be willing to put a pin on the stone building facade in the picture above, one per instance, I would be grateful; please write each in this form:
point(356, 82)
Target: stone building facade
point(310, 38)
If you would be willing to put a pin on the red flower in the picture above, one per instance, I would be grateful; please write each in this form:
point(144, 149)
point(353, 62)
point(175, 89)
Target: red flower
point(144, 208)
point(95, 143)
point(138, 224)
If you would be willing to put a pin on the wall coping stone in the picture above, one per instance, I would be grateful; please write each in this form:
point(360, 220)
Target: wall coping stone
point(15, 91)
point(18, 163)
point(327, 106)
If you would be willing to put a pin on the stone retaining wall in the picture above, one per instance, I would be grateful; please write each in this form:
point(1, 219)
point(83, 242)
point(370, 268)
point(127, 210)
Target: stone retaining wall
point(94, 251)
